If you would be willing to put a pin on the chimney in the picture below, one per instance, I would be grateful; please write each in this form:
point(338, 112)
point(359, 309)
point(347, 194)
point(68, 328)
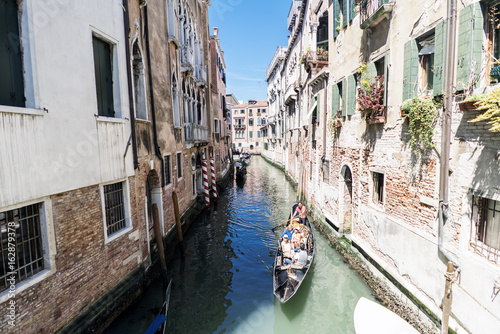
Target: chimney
point(216, 32)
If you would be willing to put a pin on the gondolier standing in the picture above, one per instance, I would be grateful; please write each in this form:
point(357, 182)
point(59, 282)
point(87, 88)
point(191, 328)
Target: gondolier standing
point(301, 212)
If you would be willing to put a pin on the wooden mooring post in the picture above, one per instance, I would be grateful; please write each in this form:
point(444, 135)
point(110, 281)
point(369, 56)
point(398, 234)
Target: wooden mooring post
point(159, 240)
point(447, 298)
point(178, 222)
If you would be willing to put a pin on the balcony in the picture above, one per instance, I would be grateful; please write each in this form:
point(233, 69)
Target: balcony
point(238, 127)
point(195, 133)
point(201, 76)
point(315, 61)
point(372, 12)
point(187, 59)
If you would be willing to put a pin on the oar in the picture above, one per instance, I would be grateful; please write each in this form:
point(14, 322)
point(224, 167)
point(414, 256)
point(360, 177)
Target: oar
point(274, 228)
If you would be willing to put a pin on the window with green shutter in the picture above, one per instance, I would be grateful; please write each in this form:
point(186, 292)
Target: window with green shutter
point(345, 12)
point(352, 7)
point(335, 99)
point(470, 39)
point(11, 63)
point(439, 52)
point(343, 97)
point(103, 77)
point(410, 70)
point(351, 97)
point(337, 9)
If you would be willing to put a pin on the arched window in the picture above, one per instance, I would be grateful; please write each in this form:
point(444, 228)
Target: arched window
point(175, 102)
point(141, 107)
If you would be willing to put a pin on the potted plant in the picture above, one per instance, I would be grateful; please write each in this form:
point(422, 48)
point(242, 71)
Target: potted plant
point(371, 97)
point(489, 105)
point(334, 124)
point(470, 102)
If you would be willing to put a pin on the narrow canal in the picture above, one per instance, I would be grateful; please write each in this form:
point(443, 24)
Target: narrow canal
point(224, 283)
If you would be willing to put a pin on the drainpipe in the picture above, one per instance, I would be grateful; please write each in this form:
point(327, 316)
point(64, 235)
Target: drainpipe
point(151, 95)
point(449, 73)
point(129, 79)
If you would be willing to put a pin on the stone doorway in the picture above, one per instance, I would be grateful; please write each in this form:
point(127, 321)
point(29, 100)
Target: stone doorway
point(345, 218)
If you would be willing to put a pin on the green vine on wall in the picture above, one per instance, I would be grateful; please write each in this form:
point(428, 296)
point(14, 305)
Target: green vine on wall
point(421, 114)
point(489, 104)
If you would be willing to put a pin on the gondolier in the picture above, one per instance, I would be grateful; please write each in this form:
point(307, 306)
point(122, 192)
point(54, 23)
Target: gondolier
point(300, 212)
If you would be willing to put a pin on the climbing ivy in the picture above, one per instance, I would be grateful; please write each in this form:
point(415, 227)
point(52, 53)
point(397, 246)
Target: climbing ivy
point(421, 114)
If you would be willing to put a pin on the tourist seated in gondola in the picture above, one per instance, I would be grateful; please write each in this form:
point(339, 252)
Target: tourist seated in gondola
point(299, 258)
point(297, 238)
point(286, 247)
point(289, 231)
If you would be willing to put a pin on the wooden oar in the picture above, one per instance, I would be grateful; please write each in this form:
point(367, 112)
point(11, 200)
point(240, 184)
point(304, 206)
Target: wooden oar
point(274, 228)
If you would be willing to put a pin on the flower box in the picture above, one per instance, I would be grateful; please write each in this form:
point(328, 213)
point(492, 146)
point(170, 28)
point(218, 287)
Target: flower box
point(468, 105)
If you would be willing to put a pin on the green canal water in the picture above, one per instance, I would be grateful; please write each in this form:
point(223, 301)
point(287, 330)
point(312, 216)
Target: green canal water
point(224, 282)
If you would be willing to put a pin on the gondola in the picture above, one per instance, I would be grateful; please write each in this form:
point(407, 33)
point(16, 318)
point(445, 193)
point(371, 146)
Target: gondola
point(287, 278)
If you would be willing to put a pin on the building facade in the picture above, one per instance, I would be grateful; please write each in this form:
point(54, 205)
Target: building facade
point(95, 150)
point(247, 119)
point(368, 169)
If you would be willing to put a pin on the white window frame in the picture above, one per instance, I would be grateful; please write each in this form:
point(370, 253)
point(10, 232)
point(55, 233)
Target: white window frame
point(127, 209)
point(49, 246)
point(372, 187)
point(177, 165)
point(169, 169)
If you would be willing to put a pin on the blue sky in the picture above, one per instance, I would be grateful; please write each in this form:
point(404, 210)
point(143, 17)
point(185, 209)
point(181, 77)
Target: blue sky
point(249, 33)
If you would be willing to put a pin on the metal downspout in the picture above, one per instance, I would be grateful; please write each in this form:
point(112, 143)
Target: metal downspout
point(129, 82)
point(443, 213)
point(151, 95)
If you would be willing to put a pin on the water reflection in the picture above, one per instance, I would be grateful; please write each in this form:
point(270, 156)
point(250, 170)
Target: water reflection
point(224, 284)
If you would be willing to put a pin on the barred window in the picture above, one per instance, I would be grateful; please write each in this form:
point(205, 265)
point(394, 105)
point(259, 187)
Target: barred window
point(114, 208)
point(378, 188)
point(21, 244)
point(166, 168)
point(486, 225)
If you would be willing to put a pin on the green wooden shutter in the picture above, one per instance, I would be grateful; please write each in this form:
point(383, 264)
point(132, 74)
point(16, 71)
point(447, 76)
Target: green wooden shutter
point(335, 99)
point(470, 40)
point(386, 77)
point(439, 53)
point(344, 97)
point(352, 11)
point(345, 9)
point(103, 78)
point(336, 17)
point(11, 65)
point(410, 70)
point(372, 71)
point(351, 91)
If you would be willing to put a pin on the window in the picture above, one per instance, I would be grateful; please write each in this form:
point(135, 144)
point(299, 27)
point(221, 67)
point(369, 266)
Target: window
point(141, 110)
point(216, 125)
point(193, 180)
point(494, 42)
point(114, 208)
point(242, 111)
point(167, 170)
point(263, 111)
point(251, 134)
point(258, 134)
point(179, 165)
point(175, 102)
point(103, 77)
point(11, 62)
point(486, 227)
point(426, 60)
point(250, 121)
point(378, 188)
point(326, 171)
point(21, 230)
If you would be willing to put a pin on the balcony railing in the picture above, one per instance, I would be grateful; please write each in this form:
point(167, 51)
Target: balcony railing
point(187, 59)
point(240, 127)
point(195, 132)
point(372, 12)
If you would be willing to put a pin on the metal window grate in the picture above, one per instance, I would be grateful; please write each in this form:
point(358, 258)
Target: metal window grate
point(21, 244)
point(485, 238)
point(114, 207)
point(179, 165)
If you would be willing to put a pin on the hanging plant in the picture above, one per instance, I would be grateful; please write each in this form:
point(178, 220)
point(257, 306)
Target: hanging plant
point(489, 104)
point(421, 114)
point(334, 124)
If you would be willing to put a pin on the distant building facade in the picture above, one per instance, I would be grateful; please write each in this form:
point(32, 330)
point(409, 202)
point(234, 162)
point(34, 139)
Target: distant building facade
point(247, 119)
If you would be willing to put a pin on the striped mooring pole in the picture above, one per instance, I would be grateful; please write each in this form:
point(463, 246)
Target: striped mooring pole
point(205, 181)
point(212, 171)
